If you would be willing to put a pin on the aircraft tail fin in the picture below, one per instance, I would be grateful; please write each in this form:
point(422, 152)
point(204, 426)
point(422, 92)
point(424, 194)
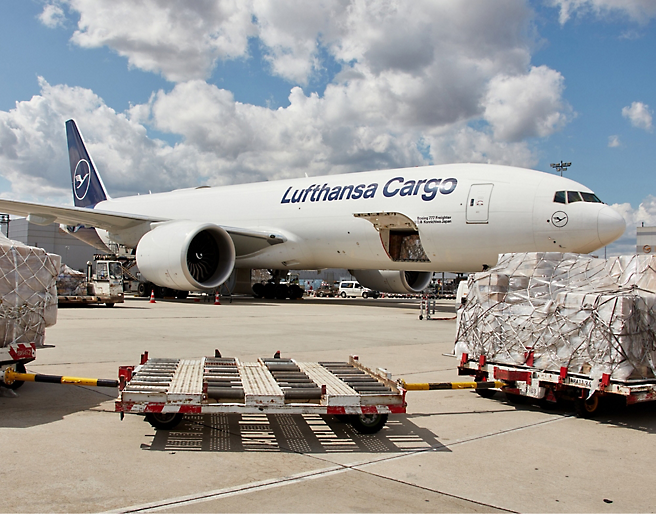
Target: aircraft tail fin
point(88, 188)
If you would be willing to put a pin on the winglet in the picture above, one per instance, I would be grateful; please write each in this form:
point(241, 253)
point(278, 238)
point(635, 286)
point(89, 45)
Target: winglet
point(88, 188)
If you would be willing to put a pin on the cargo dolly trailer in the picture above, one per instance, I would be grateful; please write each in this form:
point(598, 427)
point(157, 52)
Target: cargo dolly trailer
point(522, 383)
point(167, 389)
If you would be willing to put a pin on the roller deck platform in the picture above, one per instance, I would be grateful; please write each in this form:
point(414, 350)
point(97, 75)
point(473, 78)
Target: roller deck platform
point(211, 385)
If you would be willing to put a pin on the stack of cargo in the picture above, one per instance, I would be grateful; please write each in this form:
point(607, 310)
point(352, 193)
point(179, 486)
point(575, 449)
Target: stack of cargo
point(553, 310)
point(28, 292)
point(71, 282)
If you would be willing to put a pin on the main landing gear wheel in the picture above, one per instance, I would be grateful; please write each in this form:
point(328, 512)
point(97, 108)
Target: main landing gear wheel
point(368, 423)
point(164, 421)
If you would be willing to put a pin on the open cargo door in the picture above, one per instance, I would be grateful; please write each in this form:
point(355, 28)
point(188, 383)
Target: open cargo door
point(398, 234)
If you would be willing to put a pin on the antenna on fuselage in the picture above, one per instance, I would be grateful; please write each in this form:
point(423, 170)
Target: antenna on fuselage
point(561, 166)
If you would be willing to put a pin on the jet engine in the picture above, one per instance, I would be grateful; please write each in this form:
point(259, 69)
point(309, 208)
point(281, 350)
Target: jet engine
point(186, 255)
point(388, 281)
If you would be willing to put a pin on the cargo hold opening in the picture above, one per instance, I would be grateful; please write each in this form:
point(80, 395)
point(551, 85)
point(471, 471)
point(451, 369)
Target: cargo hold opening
point(399, 236)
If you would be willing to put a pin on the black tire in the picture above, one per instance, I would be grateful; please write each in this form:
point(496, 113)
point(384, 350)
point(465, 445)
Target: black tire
point(258, 290)
point(588, 407)
point(20, 368)
point(142, 289)
point(282, 292)
point(109, 304)
point(368, 423)
point(295, 292)
point(365, 294)
point(269, 291)
point(181, 295)
point(164, 421)
point(343, 294)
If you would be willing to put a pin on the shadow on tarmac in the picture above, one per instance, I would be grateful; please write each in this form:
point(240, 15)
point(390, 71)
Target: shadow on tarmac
point(298, 433)
point(614, 412)
point(38, 404)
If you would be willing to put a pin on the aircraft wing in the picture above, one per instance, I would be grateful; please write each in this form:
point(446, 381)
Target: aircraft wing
point(45, 214)
point(246, 241)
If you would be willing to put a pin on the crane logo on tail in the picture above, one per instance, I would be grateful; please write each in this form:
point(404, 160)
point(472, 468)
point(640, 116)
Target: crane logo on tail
point(81, 178)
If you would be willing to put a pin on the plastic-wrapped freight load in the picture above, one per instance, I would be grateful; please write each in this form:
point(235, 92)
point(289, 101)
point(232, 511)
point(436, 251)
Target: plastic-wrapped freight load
point(554, 310)
point(71, 282)
point(28, 292)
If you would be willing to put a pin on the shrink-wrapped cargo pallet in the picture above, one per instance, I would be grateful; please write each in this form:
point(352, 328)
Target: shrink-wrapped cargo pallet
point(71, 282)
point(28, 292)
point(551, 311)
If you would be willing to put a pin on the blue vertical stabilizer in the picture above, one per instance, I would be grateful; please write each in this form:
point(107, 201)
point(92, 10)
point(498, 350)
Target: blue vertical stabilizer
point(88, 188)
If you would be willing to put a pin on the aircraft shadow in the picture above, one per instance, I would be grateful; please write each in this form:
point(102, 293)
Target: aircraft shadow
point(298, 433)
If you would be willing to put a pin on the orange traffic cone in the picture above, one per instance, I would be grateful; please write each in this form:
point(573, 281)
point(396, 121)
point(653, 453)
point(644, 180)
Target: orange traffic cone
point(152, 296)
point(216, 299)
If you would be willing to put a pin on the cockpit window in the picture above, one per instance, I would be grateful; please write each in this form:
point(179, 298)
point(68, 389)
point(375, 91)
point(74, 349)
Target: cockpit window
point(575, 196)
point(590, 197)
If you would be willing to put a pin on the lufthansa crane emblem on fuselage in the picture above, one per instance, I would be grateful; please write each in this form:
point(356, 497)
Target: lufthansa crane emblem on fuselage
point(559, 219)
point(81, 179)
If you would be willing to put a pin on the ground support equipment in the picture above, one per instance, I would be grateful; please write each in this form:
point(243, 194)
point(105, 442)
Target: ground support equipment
point(167, 389)
point(14, 357)
point(523, 383)
point(428, 310)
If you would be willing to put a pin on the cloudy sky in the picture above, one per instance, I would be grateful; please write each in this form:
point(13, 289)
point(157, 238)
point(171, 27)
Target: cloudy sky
point(172, 93)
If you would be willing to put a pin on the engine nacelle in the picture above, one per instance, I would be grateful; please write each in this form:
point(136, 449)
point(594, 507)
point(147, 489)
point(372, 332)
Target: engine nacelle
point(388, 281)
point(186, 255)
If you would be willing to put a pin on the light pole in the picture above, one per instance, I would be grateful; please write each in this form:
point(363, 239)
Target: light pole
point(561, 166)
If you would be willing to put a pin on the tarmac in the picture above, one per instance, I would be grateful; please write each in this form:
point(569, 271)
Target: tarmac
point(64, 449)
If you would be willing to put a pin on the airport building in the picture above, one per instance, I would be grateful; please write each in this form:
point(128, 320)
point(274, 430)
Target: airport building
point(646, 241)
point(74, 253)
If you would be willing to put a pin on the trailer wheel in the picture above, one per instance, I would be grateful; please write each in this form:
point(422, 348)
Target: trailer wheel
point(588, 407)
point(368, 423)
point(19, 368)
point(164, 421)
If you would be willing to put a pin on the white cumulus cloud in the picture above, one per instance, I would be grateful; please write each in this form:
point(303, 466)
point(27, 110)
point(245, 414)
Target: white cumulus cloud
point(52, 16)
point(528, 105)
point(644, 214)
point(417, 82)
point(640, 11)
point(639, 115)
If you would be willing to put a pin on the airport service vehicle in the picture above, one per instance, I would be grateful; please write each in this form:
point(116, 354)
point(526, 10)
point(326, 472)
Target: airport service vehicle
point(526, 383)
point(350, 289)
point(391, 228)
point(326, 290)
point(103, 286)
point(167, 389)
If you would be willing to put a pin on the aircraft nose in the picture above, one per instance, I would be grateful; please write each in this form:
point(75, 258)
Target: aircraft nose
point(610, 225)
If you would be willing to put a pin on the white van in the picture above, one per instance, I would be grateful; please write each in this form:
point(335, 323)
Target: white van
point(351, 288)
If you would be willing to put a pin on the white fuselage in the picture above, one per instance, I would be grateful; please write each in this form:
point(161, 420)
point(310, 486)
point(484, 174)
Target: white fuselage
point(473, 213)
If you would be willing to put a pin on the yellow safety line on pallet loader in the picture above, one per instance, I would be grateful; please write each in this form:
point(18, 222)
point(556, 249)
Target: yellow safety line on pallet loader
point(10, 376)
point(496, 384)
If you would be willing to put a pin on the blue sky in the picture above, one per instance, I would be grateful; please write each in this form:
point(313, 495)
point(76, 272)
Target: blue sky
point(177, 94)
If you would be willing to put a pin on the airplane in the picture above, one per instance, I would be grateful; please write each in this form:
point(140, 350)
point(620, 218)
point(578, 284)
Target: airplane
point(391, 228)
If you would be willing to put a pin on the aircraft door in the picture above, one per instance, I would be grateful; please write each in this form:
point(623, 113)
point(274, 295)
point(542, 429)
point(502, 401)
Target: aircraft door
point(478, 203)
